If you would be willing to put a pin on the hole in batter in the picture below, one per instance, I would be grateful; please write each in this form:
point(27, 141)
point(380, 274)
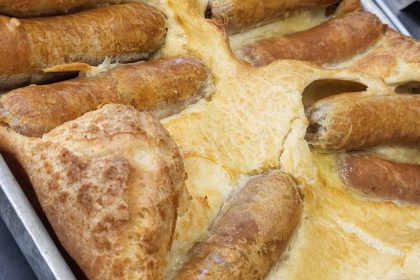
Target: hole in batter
point(412, 87)
point(321, 89)
point(208, 14)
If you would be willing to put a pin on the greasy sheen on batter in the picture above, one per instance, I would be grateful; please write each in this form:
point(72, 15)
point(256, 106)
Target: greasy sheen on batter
point(330, 42)
point(352, 236)
point(125, 33)
point(162, 87)
point(239, 15)
point(26, 8)
point(249, 235)
point(380, 178)
point(353, 121)
point(110, 183)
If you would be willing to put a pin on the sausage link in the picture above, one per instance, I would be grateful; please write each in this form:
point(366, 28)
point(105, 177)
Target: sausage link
point(354, 121)
point(250, 235)
point(381, 178)
point(127, 32)
point(329, 42)
point(162, 87)
point(240, 15)
point(28, 8)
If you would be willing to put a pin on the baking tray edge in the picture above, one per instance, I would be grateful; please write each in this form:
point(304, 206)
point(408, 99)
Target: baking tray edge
point(380, 9)
point(28, 230)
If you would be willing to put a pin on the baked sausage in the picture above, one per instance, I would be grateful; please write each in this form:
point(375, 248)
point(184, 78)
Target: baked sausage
point(354, 121)
point(162, 87)
point(128, 32)
point(331, 41)
point(28, 8)
point(250, 236)
point(239, 15)
point(375, 176)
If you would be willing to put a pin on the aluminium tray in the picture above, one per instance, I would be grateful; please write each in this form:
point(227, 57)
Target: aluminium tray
point(30, 233)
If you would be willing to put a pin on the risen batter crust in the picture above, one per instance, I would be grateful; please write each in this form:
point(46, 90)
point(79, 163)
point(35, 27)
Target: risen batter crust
point(254, 122)
point(110, 183)
point(395, 58)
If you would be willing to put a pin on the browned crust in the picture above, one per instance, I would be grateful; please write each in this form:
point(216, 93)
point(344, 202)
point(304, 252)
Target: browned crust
point(109, 183)
point(239, 15)
point(332, 41)
point(384, 60)
point(381, 178)
point(125, 33)
point(348, 6)
point(250, 236)
point(26, 8)
point(354, 121)
point(163, 87)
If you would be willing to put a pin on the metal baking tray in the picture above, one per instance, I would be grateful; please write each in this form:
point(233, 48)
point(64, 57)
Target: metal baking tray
point(29, 227)
point(379, 8)
point(28, 231)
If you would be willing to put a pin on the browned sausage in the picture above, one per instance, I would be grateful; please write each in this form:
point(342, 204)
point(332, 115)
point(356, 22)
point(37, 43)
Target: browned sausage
point(239, 15)
point(354, 121)
point(250, 236)
point(125, 33)
point(27, 8)
point(332, 41)
point(162, 87)
point(381, 178)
